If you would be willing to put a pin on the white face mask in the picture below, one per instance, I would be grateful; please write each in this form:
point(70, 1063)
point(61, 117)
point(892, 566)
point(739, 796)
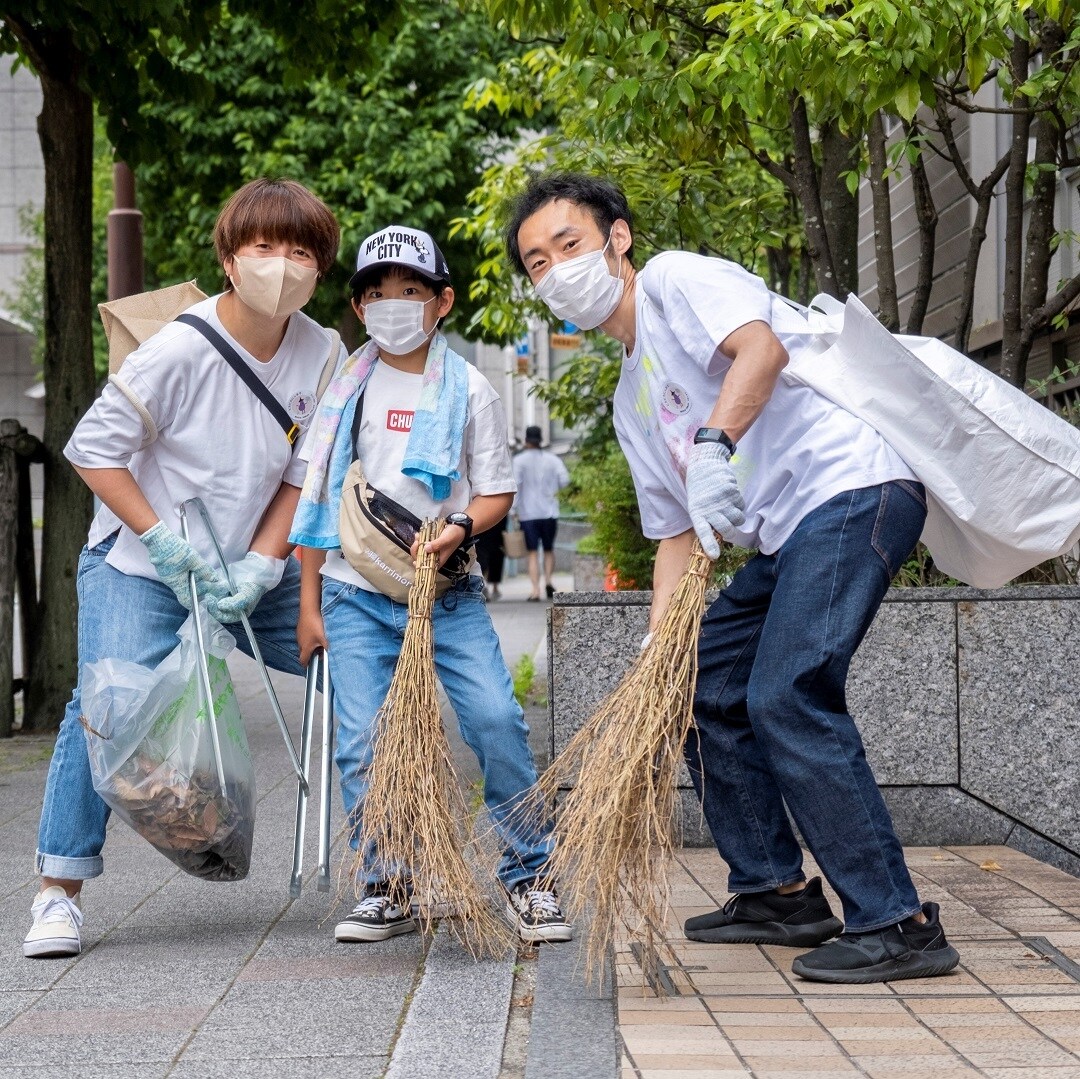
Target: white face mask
point(582, 290)
point(397, 326)
point(275, 287)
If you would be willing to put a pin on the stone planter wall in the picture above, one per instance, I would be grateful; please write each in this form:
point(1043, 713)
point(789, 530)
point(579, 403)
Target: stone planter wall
point(968, 701)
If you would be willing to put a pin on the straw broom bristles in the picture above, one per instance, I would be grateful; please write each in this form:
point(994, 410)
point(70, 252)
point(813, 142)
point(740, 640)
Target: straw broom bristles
point(615, 830)
point(414, 814)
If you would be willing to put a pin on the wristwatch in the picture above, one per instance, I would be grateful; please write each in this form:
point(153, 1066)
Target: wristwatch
point(714, 434)
point(463, 520)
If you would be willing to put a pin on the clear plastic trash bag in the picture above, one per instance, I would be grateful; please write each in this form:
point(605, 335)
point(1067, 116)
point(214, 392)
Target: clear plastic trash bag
point(153, 760)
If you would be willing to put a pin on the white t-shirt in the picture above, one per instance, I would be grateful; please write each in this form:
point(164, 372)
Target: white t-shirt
point(800, 452)
point(216, 439)
point(540, 476)
point(390, 399)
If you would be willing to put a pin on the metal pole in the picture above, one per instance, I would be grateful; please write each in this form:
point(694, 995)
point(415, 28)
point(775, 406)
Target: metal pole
point(300, 827)
point(124, 232)
point(326, 775)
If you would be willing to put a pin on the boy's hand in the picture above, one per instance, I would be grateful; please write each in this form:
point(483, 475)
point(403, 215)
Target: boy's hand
point(310, 634)
point(444, 545)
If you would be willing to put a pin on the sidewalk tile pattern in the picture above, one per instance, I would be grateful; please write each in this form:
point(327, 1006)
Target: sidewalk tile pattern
point(1010, 1011)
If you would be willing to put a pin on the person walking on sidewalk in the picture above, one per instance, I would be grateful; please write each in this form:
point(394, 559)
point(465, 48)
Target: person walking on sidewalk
point(717, 442)
point(213, 437)
point(430, 433)
point(540, 476)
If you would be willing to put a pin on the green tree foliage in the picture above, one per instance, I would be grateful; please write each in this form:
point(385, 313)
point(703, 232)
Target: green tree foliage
point(387, 141)
point(116, 56)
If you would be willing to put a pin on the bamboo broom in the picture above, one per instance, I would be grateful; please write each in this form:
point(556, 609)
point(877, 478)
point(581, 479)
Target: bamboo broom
point(615, 829)
point(414, 814)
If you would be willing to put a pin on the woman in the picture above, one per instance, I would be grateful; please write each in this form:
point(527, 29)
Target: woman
point(181, 422)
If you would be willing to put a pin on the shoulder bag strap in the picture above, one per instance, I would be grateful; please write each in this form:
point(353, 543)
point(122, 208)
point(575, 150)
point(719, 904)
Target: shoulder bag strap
point(357, 419)
point(249, 378)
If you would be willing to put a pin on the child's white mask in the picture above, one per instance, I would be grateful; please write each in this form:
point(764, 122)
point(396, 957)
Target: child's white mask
point(582, 290)
point(397, 326)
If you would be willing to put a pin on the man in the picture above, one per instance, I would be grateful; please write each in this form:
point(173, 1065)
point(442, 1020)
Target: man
point(540, 477)
point(718, 442)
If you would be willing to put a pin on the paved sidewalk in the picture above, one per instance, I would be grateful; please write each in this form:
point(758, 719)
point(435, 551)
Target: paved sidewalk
point(1011, 1011)
point(186, 978)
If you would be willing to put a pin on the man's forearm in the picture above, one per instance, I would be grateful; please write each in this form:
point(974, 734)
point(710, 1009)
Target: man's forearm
point(672, 558)
point(758, 359)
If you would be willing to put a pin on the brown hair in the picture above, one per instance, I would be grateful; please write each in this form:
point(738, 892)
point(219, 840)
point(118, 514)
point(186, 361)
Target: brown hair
point(278, 211)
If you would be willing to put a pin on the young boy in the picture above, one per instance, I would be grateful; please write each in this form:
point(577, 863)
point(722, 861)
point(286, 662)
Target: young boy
point(452, 462)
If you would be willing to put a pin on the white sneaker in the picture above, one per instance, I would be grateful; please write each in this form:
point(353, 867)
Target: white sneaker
point(55, 930)
point(536, 914)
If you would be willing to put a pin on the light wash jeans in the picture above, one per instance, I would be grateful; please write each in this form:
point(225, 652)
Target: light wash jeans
point(772, 721)
point(133, 618)
point(365, 631)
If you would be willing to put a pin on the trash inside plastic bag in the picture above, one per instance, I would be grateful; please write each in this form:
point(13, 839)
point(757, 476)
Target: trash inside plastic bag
point(152, 754)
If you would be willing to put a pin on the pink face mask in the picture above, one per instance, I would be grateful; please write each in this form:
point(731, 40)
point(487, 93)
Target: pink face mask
point(275, 287)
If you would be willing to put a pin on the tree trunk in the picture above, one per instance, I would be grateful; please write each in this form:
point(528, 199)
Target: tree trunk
point(888, 309)
point(984, 200)
point(839, 206)
point(1040, 230)
point(1012, 294)
point(809, 192)
point(66, 131)
point(9, 494)
point(926, 214)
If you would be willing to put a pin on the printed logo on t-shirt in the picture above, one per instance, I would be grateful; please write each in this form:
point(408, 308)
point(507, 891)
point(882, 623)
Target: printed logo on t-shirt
point(676, 402)
point(397, 419)
point(302, 407)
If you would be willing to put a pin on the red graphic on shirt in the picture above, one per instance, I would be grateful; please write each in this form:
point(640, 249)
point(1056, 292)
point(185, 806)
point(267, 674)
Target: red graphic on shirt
point(398, 420)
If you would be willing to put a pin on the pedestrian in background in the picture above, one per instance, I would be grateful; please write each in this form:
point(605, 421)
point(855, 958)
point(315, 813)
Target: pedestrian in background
point(540, 477)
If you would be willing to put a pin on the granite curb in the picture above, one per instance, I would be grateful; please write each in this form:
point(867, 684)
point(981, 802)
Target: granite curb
point(573, 1034)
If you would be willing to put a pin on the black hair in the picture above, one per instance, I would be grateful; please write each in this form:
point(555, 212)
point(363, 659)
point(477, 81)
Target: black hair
point(604, 201)
point(374, 276)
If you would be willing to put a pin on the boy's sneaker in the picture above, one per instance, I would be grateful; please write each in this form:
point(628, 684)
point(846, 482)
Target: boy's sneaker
point(536, 914)
point(55, 931)
point(376, 917)
point(799, 919)
point(910, 949)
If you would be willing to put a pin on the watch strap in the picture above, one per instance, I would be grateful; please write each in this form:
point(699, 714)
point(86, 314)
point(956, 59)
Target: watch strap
point(714, 434)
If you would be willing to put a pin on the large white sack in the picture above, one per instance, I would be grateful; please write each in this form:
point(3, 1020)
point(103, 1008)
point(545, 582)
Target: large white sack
point(1001, 471)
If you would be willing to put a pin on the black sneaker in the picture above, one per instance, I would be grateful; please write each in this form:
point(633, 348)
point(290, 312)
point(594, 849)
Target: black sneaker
point(910, 949)
point(536, 914)
point(800, 919)
point(376, 917)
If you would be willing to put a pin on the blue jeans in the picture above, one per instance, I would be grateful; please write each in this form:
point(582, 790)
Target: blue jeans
point(365, 631)
point(133, 618)
point(772, 721)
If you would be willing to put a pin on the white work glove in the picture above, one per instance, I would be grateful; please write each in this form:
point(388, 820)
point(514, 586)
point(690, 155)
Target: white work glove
point(174, 558)
point(252, 578)
point(713, 499)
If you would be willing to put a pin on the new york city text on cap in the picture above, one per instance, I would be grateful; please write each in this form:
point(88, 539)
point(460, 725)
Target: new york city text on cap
point(403, 247)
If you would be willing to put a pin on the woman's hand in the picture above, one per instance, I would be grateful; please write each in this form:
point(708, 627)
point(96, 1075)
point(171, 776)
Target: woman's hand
point(310, 634)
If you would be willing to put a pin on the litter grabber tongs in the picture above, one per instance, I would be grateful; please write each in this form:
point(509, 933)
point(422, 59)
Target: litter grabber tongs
point(318, 664)
point(204, 678)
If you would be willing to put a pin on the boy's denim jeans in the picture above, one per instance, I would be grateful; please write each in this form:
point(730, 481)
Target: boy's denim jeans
point(365, 632)
point(772, 720)
point(133, 618)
